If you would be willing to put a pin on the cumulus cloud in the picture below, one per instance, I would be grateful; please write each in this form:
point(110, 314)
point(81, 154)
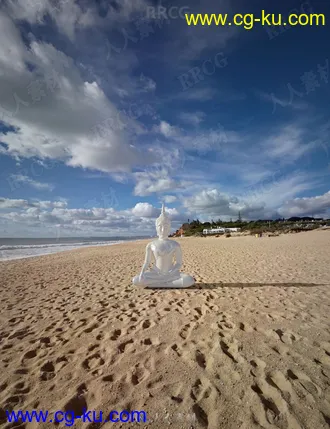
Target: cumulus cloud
point(213, 203)
point(162, 176)
point(155, 181)
point(146, 184)
point(47, 215)
point(145, 210)
point(6, 203)
point(268, 199)
point(307, 206)
point(53, 113)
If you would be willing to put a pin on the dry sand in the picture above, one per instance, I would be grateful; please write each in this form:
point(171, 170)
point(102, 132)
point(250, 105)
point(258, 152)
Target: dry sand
point(248, 347)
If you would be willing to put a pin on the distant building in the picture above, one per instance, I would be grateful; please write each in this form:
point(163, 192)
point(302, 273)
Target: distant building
point(220, 230)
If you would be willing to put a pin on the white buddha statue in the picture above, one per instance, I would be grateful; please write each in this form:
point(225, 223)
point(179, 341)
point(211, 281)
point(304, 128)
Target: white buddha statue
point(165, 273)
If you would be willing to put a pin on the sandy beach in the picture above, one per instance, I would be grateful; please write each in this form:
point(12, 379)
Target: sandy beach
point(247, 347)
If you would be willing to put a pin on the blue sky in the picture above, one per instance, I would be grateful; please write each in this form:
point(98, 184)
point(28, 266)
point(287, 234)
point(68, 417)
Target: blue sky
point(105, 112)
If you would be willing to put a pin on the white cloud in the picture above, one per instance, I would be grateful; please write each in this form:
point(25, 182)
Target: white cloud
point(149, 183)
point(213, 203)
point(8, 203)
point(67, 14)
point(210, 140)
point(169, 199)
point(312, 206)
point(25, 180)
point(167, 130)
point(277, 188)
point(123, 11)
point(56, 114)
point(147, 84)
point(44, 216)
point(161, 177)
point(263, 200)
point(288, 144)
point(145, 210)
point(194, 118)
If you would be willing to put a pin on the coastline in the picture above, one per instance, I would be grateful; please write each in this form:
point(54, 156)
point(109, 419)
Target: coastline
point(247, 346)
point(11, 252)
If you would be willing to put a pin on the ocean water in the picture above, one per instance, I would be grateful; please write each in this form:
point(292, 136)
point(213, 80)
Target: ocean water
point(18, 248)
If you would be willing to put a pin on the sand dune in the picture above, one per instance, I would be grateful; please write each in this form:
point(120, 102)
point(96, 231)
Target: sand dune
point(247, 347)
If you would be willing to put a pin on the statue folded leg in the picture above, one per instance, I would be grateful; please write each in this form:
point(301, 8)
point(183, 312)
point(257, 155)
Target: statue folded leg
point(172, 280)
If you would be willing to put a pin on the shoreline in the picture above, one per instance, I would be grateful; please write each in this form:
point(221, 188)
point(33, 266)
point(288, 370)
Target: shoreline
point(67, 248)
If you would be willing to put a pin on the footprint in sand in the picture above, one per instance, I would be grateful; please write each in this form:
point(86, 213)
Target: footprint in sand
point(286, 337)
point(91, 328)
point(92, 362)
point(139, 374)
point(77, 405)
point(245, 327)
point(122, 346)
point(93, 347)
point(325, 347)
point(231, 349)
point(150, 342)
point(108, 378)
point(21, 388)
point(202, 389)
point(200, 359)
point(47, 371)
point(20, 334)
point(30, 355)
point(303, 379)
point(115, 335)
point(278, 380)
point(198, 312)
point(258, 367)
point(276, 410)
point(185, 331)
point(176, 349)
point(196, 390)
point(201, 415)
point(146, 324)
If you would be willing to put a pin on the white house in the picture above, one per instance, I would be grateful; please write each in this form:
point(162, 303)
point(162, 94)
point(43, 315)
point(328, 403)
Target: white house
point(220, 230)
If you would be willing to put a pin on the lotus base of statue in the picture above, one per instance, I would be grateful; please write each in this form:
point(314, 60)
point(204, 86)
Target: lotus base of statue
point(166, 273)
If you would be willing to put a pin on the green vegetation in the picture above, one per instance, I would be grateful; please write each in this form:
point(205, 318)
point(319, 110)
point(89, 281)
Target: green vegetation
point(294, 224)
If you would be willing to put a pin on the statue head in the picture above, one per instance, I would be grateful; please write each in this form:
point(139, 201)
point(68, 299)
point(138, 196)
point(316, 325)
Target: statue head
point(163, 224)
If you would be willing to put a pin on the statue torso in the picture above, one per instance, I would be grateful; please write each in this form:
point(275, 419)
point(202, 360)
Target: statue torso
point(163, 251)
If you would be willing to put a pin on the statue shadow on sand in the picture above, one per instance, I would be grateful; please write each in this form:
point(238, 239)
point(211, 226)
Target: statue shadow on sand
point(206, 286)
